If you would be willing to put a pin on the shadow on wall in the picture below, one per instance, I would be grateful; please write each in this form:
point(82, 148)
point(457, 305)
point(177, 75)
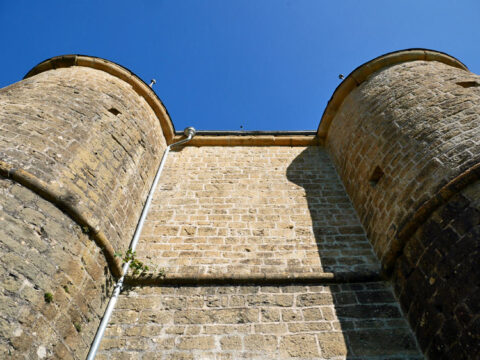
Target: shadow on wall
point(341, 242)
point(371, 323)
point(437, 279)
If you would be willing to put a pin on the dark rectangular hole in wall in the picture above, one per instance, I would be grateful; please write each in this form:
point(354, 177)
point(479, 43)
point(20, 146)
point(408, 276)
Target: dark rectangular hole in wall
point(114, 111)
point(468, 84)
point(376, 176)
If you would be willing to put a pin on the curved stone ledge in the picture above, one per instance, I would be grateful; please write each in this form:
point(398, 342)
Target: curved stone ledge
point(63, 201)
point(83, 131)
point(361, 73)
point(436, 276)
point(423, 213)
point(118, 71)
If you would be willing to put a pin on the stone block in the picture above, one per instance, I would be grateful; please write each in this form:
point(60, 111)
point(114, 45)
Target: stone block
point(196, 343)
point(299, 346)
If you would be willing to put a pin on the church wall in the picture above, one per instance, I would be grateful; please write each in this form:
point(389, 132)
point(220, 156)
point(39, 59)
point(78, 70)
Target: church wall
point(260, 241)
point(241, 234)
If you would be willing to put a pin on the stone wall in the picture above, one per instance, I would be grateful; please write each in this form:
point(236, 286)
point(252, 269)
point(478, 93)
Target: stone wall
point(253, 210)
point(405, 143)
point(263, 253)
point(437, 278)
point(78, 152)
point(258, 220)
point(44, 252)
point(354, 321)
point(399, 137)
point(89, 135)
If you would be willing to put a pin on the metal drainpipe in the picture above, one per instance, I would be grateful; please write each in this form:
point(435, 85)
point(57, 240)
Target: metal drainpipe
point(190, 133)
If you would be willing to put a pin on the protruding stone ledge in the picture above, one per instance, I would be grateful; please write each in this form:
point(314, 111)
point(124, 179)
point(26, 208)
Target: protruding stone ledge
point(63, 201)
point(254, 279)
point(423, 213)
point(361, 73)
point(142, 89)
point(252, 140)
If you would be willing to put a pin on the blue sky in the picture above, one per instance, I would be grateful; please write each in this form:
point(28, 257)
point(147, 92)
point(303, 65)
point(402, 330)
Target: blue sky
point(223, 64)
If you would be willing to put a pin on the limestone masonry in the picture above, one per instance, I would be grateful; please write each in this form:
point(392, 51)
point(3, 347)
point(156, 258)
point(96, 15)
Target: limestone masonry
point(359, 242)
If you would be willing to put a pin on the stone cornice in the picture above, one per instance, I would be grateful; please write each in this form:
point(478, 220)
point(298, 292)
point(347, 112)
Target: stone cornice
point(61, 199)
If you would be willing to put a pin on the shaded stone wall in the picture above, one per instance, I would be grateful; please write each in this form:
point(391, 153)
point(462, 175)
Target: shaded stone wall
point(437, 278)
point(78, 152)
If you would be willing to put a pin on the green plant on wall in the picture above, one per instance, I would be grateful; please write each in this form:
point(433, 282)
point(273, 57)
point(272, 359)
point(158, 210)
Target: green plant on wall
point(48, 297)
point(137, 267)
point(77, 326)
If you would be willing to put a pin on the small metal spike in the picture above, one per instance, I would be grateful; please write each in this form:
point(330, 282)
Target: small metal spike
point(152, 82)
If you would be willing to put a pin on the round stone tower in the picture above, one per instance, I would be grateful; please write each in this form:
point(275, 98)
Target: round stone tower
point(404, 133)
point(80, 141)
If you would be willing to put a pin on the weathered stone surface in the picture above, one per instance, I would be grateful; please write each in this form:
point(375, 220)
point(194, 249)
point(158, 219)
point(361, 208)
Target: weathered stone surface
point(413, 130)
point(261, 330)
point(253, 210)
point(88, 137)
point(374, 342)
point(240, 211)
point(332, 344)
point(415, 123)
point(88, 134)
point(45, 252)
